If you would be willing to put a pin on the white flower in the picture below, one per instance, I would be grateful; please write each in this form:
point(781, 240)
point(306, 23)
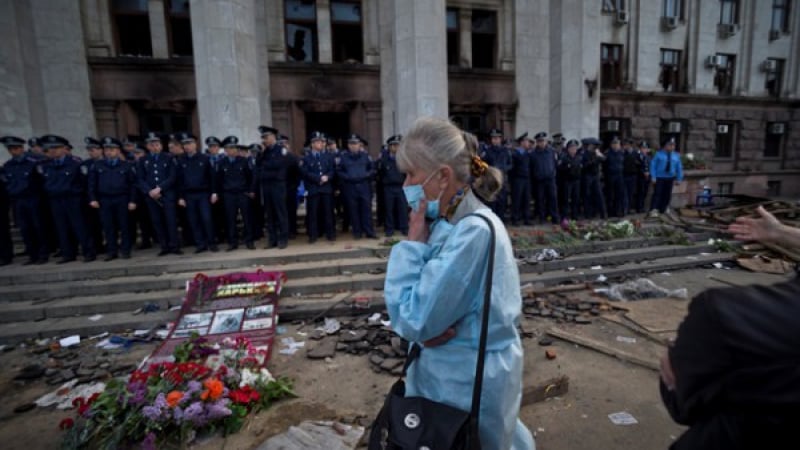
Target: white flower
point(690, 156)
point(711, 241)
point(251, 378)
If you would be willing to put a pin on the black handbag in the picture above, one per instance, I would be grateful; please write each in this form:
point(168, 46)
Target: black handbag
point(416, 423)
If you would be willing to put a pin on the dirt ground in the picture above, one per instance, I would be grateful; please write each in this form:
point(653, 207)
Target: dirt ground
point(345, 388)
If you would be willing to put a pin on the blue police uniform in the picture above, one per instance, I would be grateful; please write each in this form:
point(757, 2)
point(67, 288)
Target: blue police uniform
point(24, 187)
point(618, 198)
point(396, 214)
point(236, 181)
point(356, 172)
point(217, 209)
point(520, 175)
point(112, 183)
point(665, 169)
point(63, 184)
point(160, 170)
point(570, 168)
point(593, 199)
point(543, 171)
point(319, 197)
point(499, 157)
point(273, 167)
point(195, 186)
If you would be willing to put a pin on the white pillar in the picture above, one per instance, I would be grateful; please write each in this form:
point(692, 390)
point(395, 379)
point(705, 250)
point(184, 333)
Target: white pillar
point(274, 30)
point(420, 45)
point(506, 35)
point(324, 38)
point(388, 73)
point(532, 65)
point(226, 68)
point(369, 23)
point(158, 29)
point(465, 37)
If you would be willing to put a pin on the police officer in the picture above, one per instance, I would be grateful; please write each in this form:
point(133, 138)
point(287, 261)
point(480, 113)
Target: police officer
point(543, 172)
point(128, 148)
point(6, 246)
point(497, 155)
point(140, 224)
point(666, 170)
point(24, 188)
point(632, 168)
point(615, 180)
point(197, 193)
point(643, 178)
point(64, 186)
point(570, 166)
point(339, 205)
point(520, 175)
point(112, 192)
point(293, 180)
point(392, 180)
point(356, 172)
point(592, 159)
point(214, 153)
point(235, 179)
point(95, 151)
point(156, 176)
point(318, 169)
point(272, 166)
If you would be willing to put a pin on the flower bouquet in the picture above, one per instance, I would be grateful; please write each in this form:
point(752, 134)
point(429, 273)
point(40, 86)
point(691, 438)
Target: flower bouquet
point(208, 387)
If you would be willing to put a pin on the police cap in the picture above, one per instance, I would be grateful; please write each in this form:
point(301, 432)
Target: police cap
point(316, 136)
point(12, 141)
point(541, 136)
point(230, 141)
point(494, 132)
point(109, 141)
point(152, 137)
point(52, 140)
point(212, 140)
point(186, 138)
point(265, 130)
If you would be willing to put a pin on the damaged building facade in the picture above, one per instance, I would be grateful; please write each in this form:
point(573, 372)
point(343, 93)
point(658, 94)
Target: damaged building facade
point(721, 76)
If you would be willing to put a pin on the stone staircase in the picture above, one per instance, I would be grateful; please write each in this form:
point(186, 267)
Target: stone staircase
point(53, 300)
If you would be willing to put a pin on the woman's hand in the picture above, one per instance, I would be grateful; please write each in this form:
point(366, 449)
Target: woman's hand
point(417, 228)
point(667, 375)
point(442, 339)
point(765, 228)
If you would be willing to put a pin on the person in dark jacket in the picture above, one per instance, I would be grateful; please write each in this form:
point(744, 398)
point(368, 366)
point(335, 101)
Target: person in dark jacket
point(94, 148)
point(141, 225)
point(392, 179)
point(570, 165)
point(643, 177)
point(497, 155)
point(318, 169)
point(356, 171)
point(615, 180)
point(293, 179)
point(64, 186)
point(112, 191)
point(732, 374)
point(24, 188)
point(215, 154)
point(156, 176)
point(592, 159)
point(197, 193)
point(543, 175)
point(236, 182)
point(272, 167)
point(520, 175)
point(632, 168)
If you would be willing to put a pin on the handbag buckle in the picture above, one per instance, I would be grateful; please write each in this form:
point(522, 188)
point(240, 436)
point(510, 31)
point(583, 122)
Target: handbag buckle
point(411, 421)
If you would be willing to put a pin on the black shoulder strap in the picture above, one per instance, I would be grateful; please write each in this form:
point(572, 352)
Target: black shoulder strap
point(415, 350)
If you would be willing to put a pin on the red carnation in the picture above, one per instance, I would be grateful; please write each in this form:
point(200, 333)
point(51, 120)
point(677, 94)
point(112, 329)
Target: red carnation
point(66, 423)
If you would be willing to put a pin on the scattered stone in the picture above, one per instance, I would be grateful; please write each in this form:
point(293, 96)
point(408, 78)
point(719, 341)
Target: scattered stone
point(546, 313)
point(317, 335)
point(571, 312)
point(390, 364)
point(67, 374)
point(341, 347)
point(326, 348)
point(25, 407)
point(31, 372)
point(86, 379)
point(397, 371)
point(40, 350)
point(353, 336)
point(55, 380)
point(594, 312)
point(90, 364)
point(583, 320)
point(50, 371)
point(83, 372)
point(545, 342)
point(387, 350)
point(558, 315)
point(584, 307)
point(362, 346)
point(101, 375)
point(376, 359)
point(59, 355)
point(399, 345)
point(104, 365)
point(550, 354)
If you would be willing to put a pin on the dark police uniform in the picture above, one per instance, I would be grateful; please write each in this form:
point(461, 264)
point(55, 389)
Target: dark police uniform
point(24, 187)
point(520, 175)
point(543, 172)
point(293, 179)
point(632, 167)
point(112, 183)
point(93, 221)
point(6, 246)
point(499, 157)
point(569, 170)
point(615, 170)
point(140, 224)
point(235, 179)
point(356, 172)
point(319, 197)
point(642, 178)
point(273, 168)
point(195, 187)
point(64, 186)
point(392, 179)
point(593, 200)
point(217, 209)
point(160, 170)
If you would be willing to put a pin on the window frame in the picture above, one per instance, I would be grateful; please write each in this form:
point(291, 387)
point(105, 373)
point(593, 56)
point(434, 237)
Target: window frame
point(771, 191)
point(786, 9)
point(775, 91)
point(170, 27)
point(677, 65)
point(144, 13)
point(780, 144)
point(680, 137)
point(617, 79)
point(730, 152)
point(679, 9)
point(612, 6)
point(495, 39)
point(730, 69)
point(348, 24)
point(310, 23)
point(452, 37)
point(734, 19)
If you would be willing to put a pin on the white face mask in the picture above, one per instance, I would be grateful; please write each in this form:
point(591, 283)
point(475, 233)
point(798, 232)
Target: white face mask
point(415, 193)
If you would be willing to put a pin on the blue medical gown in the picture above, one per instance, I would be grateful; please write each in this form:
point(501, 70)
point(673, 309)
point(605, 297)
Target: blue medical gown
point(440, 284)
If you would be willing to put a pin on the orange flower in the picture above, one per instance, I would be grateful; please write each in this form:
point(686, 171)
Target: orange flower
point(173, 398)
point(213, 389)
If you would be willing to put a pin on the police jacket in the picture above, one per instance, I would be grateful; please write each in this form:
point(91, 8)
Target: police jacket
point(195, 174)
point(355, 167)
point(634, 161)
point(63, 177)
point(389, 174)
point(520, 164)
point(235, 175)
point(543, 163)
point(658, 166)
point(497, 156)
point(615, 162)
point(22, 178)
point(313, 167)
point(110, 179)
point(570, 167)
point(157, 170)
point(591, 162)
point(273, 164)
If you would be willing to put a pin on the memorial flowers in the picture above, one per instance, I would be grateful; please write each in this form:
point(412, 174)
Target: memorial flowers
point(205, 388)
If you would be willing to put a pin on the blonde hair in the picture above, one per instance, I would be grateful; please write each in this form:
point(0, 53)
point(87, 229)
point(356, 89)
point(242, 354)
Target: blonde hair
point(432, 142)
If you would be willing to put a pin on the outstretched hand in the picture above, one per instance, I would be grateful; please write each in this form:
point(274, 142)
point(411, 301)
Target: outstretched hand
point(417, 227)
point(764, 228)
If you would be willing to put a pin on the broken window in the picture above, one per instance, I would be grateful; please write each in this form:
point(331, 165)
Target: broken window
point(301, 30)
point(180, 27)
point(611, 66)
point(723, 77)
point(774, 79)
point(453, 46)
point(132, 27)
point(346, 35)
point(484, 38)
point(670, 77)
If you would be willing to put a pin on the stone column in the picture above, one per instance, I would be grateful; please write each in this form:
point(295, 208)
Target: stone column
point(505, 20)
point(574, 59)
point(66, 95)
point(158, 29)
point(15, 117)
point(420, 45)
point(226, 68)
point(702, 44)
point(465, 37)
point(532, 65)
point(97, 26)
point(369, 23)
point(263, 58)
point(387, 63)
point(324, 41)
